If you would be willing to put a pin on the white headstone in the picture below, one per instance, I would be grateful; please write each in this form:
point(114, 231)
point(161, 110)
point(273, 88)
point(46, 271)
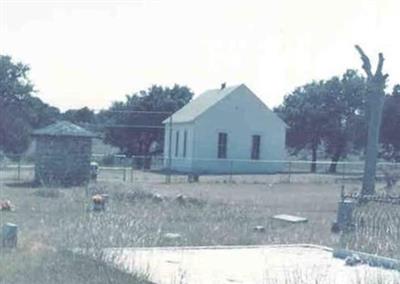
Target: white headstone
point(290, 218)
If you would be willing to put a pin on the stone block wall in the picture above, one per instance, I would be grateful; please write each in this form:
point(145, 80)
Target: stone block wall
point(62, 160)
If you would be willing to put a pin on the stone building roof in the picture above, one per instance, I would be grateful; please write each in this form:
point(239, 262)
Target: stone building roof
point(63, 128)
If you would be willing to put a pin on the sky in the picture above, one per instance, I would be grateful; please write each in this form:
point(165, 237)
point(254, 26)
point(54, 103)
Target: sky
point(91, 53)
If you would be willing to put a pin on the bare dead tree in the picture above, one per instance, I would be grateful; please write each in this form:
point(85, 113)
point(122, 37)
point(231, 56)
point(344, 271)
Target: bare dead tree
point(376, 83)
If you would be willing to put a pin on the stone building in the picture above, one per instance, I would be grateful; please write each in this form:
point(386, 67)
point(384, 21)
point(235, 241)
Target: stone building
point(62, 154)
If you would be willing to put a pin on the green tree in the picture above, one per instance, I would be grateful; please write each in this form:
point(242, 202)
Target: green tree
point(20, 112)
point(14, 88)
point(38, 113)
point(328, 113)
point(303, 112)
point(134, 124)
point(344, 105)
point(80, 116)
point(390, 136)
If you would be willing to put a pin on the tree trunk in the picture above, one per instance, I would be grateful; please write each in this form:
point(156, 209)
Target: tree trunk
point(335, 159)
point(375, 101)
point(314, 160)
point(375, 96)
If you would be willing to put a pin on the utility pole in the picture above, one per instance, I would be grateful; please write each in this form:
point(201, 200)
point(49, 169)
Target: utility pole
point(169, 162)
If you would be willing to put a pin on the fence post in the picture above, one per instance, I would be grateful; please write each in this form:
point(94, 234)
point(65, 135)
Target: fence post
point(169, 161)
point(290, 171)
point(19, 169)
point(124, 173)
point(132, 174)
point(230, 171)
point(343, 173)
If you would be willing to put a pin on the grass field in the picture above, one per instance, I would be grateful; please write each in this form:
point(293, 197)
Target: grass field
point(52, 221)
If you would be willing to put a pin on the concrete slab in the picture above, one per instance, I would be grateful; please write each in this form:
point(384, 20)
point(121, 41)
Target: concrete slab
point(290, 218)
point(246, 264)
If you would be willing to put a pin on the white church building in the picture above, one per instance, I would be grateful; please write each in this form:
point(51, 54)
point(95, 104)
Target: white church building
point(222, 131)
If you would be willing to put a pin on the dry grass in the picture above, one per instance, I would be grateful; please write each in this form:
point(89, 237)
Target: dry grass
point(377, 230)
point(217, 214)
point(39, 266)
point(225, 215)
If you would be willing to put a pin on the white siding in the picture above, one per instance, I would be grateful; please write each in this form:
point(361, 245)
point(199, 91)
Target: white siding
point(241, 115)
point(179, 162)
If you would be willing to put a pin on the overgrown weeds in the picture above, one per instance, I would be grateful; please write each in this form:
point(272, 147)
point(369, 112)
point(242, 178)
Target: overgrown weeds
point(377, 230)
point(61, 267)
point(133, 219)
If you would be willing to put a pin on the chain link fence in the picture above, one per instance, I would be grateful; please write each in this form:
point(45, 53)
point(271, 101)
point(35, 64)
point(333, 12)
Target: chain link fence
point(152, 169)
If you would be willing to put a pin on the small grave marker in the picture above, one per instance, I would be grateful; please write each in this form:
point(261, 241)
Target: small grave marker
point(290, 218)
point(180, 198)
point(172, 236)
point(94, 170)
point(345, 214)
point(259, 229)
point(193, 178)
point(99, 202)
point(6, 205)
point(157, 197)
point(9, 235)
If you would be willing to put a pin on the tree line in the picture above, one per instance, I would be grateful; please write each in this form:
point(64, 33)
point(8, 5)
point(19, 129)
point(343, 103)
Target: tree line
point(327, 115)
point(131, 125)
point(331, 115)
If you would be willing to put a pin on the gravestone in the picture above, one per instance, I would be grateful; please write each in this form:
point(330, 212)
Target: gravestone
point(172, 236)
point(157, 197)
point(9, 235)
point(99, 202)
point(290, 218)
point(345, 214)
point(259, 229)
point(193, 178)
point(94, 170)
point(6, 205)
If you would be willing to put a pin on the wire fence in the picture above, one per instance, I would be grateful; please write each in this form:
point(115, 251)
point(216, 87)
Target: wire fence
point(155, 169)
point(79, 227)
